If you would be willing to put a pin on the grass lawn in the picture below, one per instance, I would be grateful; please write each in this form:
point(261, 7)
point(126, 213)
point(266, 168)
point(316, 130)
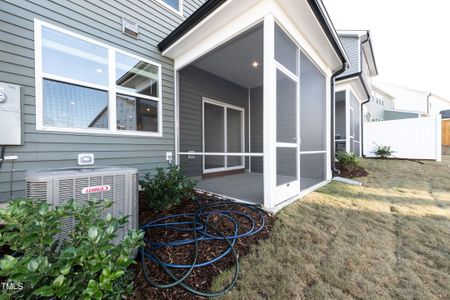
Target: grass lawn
point(387, 239)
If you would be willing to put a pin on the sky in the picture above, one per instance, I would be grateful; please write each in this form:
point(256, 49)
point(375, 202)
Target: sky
point(411, 39)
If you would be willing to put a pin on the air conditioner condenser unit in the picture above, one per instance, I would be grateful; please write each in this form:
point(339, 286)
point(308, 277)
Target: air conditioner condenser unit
point(81, 184)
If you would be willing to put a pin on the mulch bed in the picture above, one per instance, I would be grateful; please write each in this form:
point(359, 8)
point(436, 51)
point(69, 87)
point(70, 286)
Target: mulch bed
point(353, 173)
point(201, 278)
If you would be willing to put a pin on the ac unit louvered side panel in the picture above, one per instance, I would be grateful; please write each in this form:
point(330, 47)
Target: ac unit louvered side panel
point(119, 203)
point(134, 201)
point(81, 183)
point(109, 195)
point(65, 191)
point(37, 190)
point(95, 181)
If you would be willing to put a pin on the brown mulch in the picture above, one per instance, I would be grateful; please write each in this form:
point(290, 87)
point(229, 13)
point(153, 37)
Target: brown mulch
point(201, 278)
point(351, 173)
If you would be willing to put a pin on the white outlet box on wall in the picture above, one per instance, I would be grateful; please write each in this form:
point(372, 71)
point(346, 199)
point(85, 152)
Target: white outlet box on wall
point(85, 159)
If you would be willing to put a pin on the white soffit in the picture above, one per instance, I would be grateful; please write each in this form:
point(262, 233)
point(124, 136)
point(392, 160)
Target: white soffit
point(234, 16)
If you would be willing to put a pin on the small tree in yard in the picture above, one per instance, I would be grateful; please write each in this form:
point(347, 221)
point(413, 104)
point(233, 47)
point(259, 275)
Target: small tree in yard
point(167, 188)
point(382, 151)
point(86, 265)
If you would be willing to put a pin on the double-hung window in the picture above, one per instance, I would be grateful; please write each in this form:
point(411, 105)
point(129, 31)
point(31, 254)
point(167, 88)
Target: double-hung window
point(86, 86)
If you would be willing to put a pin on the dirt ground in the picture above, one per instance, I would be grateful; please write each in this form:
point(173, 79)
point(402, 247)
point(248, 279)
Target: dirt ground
point(387, 239)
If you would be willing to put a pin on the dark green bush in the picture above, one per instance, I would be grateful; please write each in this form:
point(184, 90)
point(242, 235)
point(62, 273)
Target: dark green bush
point(383, 151)
point(167, 188)
point(87, 265)
point(348, 161)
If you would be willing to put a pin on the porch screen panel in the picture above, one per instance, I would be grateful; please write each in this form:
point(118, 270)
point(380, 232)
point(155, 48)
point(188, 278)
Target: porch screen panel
point(286, 129)
point(286, 109)
point(352, 125)
point(314, 166)
point(286, 165)
point(234, 137)
point(285, 50)
point(313, 118)
point(214, 135)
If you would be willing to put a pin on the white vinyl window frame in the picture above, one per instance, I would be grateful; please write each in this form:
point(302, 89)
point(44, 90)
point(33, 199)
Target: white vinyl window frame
point(171, 8)
point(111, 88)
point(225, 107)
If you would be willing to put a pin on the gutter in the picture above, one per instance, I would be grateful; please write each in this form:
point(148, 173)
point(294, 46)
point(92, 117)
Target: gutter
point(428, 103)
point(321, 15)
point(367, 101)
point(333, 117)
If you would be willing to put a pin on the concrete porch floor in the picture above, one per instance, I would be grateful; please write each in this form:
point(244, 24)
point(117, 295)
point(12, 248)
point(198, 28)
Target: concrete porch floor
point(246, 186)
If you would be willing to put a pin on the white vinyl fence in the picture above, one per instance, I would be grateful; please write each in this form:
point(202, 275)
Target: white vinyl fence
point(409, 138)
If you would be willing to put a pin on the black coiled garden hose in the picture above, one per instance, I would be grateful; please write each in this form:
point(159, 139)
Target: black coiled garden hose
point(201, 229)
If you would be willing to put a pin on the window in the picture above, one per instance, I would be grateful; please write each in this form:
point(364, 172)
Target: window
point(174, 5)
point(86, 86)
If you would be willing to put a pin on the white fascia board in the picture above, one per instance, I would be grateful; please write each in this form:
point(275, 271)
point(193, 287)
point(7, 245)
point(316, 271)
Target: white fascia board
point(334, 32)
point(355, 85)
point(235, 17)
point(355, 33)
point(370, 56)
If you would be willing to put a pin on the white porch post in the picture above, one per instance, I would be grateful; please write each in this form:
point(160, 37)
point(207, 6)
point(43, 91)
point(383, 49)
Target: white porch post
point(269, 111)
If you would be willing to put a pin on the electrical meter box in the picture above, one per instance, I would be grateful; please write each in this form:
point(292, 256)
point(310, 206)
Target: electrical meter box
point(10, 114)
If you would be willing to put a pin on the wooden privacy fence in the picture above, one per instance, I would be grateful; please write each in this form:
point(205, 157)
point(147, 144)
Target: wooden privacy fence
point(446, 132)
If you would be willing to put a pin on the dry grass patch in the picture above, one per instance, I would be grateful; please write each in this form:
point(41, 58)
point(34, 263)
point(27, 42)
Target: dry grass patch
point(387, 239)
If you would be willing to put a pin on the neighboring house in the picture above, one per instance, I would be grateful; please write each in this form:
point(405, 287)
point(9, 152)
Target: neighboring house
point(353, 90)
point(418, 102)
point(445, 114)
point(374, 110)
point(381, 107)
point(213, 82)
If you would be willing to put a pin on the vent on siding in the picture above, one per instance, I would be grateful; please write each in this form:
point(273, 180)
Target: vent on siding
point(130, 28)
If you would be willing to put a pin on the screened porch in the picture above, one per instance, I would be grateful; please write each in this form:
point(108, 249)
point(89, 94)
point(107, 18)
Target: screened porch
point(253, 125)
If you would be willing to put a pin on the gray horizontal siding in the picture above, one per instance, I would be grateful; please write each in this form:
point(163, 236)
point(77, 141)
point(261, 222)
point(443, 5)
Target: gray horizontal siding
point(351, 47)
point(257, 126)
point(398, 115)
point(340, 114)
point(101, 21)
point(195, 84)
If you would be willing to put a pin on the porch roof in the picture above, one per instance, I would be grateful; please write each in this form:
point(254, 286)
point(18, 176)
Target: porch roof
point(211, 6)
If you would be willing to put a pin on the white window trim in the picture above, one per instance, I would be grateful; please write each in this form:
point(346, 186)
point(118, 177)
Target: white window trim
point(225, 106)
point(110, 88)
point(167, 6)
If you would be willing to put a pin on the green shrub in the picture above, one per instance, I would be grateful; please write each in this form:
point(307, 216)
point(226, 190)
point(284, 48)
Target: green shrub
point(87, 265)
point(167, 188)
point(383, 151)
point(348, 161)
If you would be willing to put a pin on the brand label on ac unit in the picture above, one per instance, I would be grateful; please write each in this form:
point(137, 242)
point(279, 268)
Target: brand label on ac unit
point(96, 189)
